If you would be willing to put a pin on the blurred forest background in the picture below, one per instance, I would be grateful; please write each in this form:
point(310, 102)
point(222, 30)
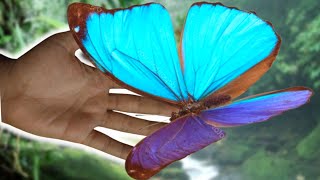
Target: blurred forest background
point(286, 147)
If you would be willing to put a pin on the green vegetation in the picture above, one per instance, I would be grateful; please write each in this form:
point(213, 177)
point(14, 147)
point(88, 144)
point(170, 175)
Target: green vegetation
point(22, 159)
point(309, 147)
point(21, 22)
point(279, 167)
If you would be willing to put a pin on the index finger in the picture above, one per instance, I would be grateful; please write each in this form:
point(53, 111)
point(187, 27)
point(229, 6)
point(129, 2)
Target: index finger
point(139, 104)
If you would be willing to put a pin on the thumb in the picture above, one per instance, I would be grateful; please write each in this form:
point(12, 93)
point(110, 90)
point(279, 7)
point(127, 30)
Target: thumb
point(66, 40)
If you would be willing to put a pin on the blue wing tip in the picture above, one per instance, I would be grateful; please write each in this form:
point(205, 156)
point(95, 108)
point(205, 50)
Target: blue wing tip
point(304, 93)
point(307, 90)
point(237, 9)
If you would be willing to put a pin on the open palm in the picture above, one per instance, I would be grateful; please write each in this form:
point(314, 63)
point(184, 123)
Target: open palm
point(50, 93)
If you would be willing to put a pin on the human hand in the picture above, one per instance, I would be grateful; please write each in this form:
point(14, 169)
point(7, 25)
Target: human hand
point(50, 93)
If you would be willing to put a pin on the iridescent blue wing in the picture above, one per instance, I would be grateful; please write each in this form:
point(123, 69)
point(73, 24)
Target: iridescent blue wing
point(258, 108)
point(219, 44)
point(135, 46)
point(170, 143)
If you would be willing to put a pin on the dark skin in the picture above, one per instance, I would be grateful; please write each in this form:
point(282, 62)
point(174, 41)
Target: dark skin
point(50, 93)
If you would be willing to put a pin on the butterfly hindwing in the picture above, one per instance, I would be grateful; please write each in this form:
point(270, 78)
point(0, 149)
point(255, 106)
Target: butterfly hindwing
point(173, 142)
point(258, 108)
point(134, 45)
point(219, 44)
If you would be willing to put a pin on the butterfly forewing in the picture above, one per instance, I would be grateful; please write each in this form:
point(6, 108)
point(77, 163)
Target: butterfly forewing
point(219, 44)
point(135, 46)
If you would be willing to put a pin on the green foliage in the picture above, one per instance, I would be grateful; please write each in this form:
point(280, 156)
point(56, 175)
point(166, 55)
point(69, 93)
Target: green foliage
point(307, 45)
point(112, 4)
point(34, 160)
point(264, 166)
point(77, 165)
point(234, 155)
point(309, 147)
point(21, 22)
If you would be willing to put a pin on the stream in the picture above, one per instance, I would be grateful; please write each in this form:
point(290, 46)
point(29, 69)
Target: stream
point(197, 169)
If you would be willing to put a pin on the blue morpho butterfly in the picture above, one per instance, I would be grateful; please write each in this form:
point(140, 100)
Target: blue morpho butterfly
point(222, 52)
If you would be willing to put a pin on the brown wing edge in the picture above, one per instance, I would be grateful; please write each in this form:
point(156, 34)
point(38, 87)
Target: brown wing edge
point(77, 15)
point(242, 83)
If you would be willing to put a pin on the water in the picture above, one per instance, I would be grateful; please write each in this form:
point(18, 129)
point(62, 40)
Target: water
point(197, 169)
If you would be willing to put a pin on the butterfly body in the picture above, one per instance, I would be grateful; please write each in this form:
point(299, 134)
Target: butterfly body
point(195, 107)
point(223, 51)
